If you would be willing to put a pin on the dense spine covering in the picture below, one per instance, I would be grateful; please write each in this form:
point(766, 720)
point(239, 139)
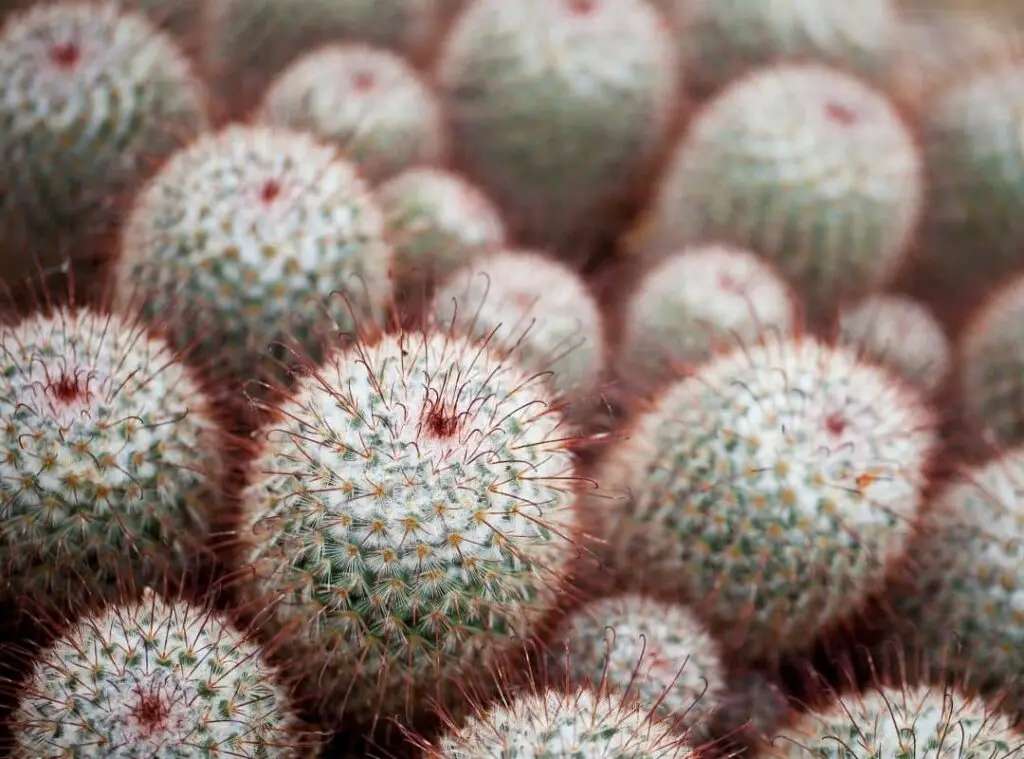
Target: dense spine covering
point(410, 516)
point(112, 458)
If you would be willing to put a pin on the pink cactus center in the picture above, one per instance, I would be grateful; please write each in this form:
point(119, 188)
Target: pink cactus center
point(65, 55)
point(730, 284)
point(581, 7)
point(68, 388)
point(363, 81)
point(441, 421)
point(835, 423)
point(270, 190)
point(150, 713)
point(840, 114)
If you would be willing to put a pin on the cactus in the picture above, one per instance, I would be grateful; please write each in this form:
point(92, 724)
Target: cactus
point(93, 97)
point(582, 724)
point(917, 722)
point(156, 679)
point(535, 307)
point(778, 487)
point(724, 41)
point(556, 105)
point(900, 333)
point(410, 514)
point(785, 162)
point(251, 41)
point(692, 303)
point(368, 101)
point(112, 459)
point(436, 222)
point(240, 241)
point(656, 652)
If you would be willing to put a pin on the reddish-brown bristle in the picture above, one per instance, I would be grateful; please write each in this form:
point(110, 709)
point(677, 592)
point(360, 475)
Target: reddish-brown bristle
point(150, 711)
point(442, 422)
point(835, 423)
point(270, 190)
point(68, 388)
point(65, 55)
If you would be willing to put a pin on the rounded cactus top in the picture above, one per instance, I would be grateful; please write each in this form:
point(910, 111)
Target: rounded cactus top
point(414, 490)
point(368, 101)
point(534, 306)
point(657, 652)
point(910, 721)
point(781, 482)
point(155, 679)
point(581, 724)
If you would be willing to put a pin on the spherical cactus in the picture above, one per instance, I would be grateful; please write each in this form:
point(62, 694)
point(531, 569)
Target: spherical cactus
point(93, 97)
point(368, 101)
point(655, 652)
point(582, 724)
point(538, 309)
point(437, 222)
point(156, 679)
point(241, 244)
point(785, 162)
point(551, 143)
point(901, 721)
point(992, 365)
point(251, 41)
point(111, 465)
point(900, 333)
point(723, 41)
point(777, 487)
point(695, 301)
point(410, 516)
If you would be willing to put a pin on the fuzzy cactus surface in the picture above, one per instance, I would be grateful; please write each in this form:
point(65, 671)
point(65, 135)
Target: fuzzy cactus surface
point(368, 101)
point(94, 97)
point(694, 302)
point(785, 162)
point(556, 105)
point(776, 487)
point(536, 307)
point(112, 459)
point(409, 516)
point(252, 245)
point(156, 679)
point(582, 724)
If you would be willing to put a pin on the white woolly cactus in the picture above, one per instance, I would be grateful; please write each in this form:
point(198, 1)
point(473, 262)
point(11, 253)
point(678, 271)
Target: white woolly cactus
point(785, 162)
point(93, 97)
point(992, 364)
point(898, 332)
point(154, 678)
point(723, 41)
point(777, 487)
point(410, 515)
point(694, 302)
point(916, 722)
point(557, 104)
point(537, 308)
point(243, 243)
point(111, 460)
point(583, 724)
point(252, 41)
point(656, 652)
point(436, 223)
point(368, 101)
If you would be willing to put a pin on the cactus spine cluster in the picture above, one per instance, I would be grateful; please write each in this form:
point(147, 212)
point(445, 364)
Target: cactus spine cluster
point(410, 514)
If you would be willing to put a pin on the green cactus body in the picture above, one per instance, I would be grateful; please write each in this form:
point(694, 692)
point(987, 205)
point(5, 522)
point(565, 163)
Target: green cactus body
point(655, 652)
point(243, 242)
point(696, 301)
point(437, 222)
point(410, 515)
point(112, 460)
point(725, 40)
point(252, 41)
point(900, 333)
point(909, 722)
point(581, 724)
point(93, 98)
point(156, 679)
point(536, 308)
point(777, 487)
point(556, 105)
point(367, 101)
point(992, 365)
point(785, 162)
